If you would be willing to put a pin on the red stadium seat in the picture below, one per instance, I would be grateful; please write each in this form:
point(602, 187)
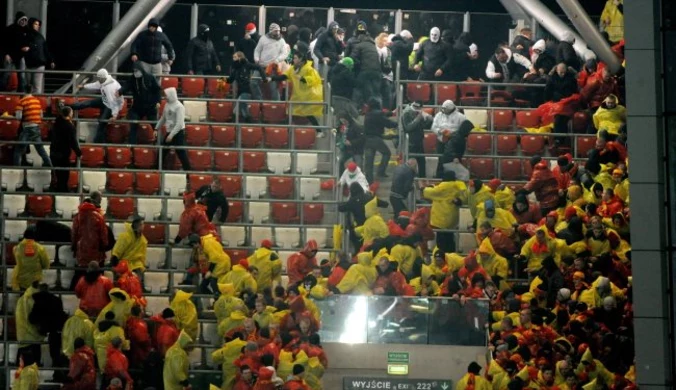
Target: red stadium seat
point(67, 101)
point(479, 143)
point(527, 119)
point(418, 92)
point(274, 112)
point(231, 185)
point(220, 111)
point(313, 213)
point(430, 143)
point(237, 254)
point(8, 104)
point(482, 168)
point(145, 158)
point(197, 181)
point(510, 169)
point(147, 183)
point(532, 144)
point(200, 160)
point(581, 121)
point(235, 211)
point(501, 99)
point(92, 156)
point(169, 82)
point(585, 145)
point(119, 182)
point(276, 137)
point(192, 86)
point(280, 187)
point(89, 113)
point(73, 180)
point(117, 133)
point(252, 137)
point(284, 212)
point(39, 205)
point(502, 119)
point(145, 135)
point(218, 88)
point(255, 111)
point(170, 161)
point(506, 144)
point(118, 157)
point(45, 128)
point(196, 135)
point(304, 138)
point(254, 161)
point(446, 92)
point(226, 161)
point(471, 95)
point(120, 208)
point(527, 168)
point(9, 129)
point(163, 103)
point(155, 234)
point(223, 136)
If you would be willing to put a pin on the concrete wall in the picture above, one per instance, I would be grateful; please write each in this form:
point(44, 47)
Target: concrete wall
point(426, 361)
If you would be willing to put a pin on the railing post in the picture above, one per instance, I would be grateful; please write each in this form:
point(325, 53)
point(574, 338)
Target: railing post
point(116, 19)
point(194, 20)
point(330, 16)
point(398, 21)
point(261, 20)
point(466, 22)
point(43, 16)
point(10, 20)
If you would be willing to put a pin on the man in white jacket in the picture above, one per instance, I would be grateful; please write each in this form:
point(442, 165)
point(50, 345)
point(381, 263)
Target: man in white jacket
point(173, 117)
point(270, 50)
point(353, 174)
point(110, 103)
point(446, 122)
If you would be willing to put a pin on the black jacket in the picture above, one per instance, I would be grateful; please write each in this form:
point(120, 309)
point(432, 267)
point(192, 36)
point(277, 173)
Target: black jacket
point(558, 88)
point(342, 81)
point(355, 206)
point(375, 123)
point(38, 55)
point(545, 61)
point(328, 46)
point(434, 56)
point(145, 90)
point(523, 41)
point(402, 181)
point(63, 139)
point(248, 46)
point(461, 68)
point(47, 314)
point(240, 72)
point(14, 37)
point(565, 53)
point(148, 46)
point(213, 200)
point(365, 54)
point(414, 125)
point(401, 48)
point(355, 134)
point(201, 55)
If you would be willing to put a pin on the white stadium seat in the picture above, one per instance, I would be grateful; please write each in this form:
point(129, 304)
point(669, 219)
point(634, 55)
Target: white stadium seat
point(11, 179)
point(306, 163)
point(174, 183)
point(233, 236)
point(38, 180)
point(66, 206)
point(256, 187)
point(287, 237)
point(12, 205)
point(259, 212)
point(309, 188)
point(150, 209)
point(279, 162)
point(320, 235)
point(93, 181)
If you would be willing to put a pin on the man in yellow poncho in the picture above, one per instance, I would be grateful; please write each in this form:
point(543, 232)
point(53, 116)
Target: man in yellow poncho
point(406, 252)
point(120, 304)
point(227, 302)
point(31, 260)
point(267, 263)
point(478, 193)
point(263, 315)
point(612, 20)
point(360, 277)
point(495, 265)
point(219, 263)
point(226, 357)
point(105, 332)
point(593, 368)
point(27, 377)
point(374, 226)
point(131, 246)
point(25, 330)
point(601, 288)
point(611, 116)
point(445, 263)
point(306, 85)
point(473, 379)
point(77, 326)
point(498, 218)
point(233, 321)
point(425, 285)
point(240, 278)
point(622, 185)
point(537, 248)
point(176, 364)
point(185, 312)
point(446, 198)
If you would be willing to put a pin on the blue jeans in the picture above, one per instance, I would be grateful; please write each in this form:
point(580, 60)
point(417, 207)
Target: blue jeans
point(105, 114)
point(31, 133)
point(244, 114)
point(256, 89)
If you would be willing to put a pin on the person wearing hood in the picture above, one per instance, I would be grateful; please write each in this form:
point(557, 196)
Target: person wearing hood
point(213, 197)
point(63, 142)
point(565, 52)
point(15, 45)
point(129, 282)
point(390, 281)
point(248, 43)
point(353, 174)
point(82, 367)
point(37, 57)
point(107, 330)
point(425, 284)
point(89, 237)
point(110, 103)
point(147, 48)
point(350, 138)
point(271, 51)
point(92, 289)
point(240, 277)
point(465, 53)
point(446, 198)
point(241, 72)
point(477, 194)
point(173, 117)
point(137, 330)
point(497, 217)
point(612, 20)
point(165, 331)
point(49, 317)
point(117, 364)
point(611, 204)
point(403, 180)
point(27, 333)
point(367, 66)
point(375, 123)
point(131, 245)
point(374, 226)
point(268, 264)
point(573, 232)
point(523, 42)
point(193, 219)
point(610, 116)
point(329, 47)
point(120, 305)
point(538, 248)
point(447, 122)
point(542, 61)
point(544, 185)
point(408, 255)
point(566, 171)
point(185, 312)
point(301, 263)
point(402, 47)
point(176, 364)
point(359, 277)
point(473, 379)
point(219, 263)
point(31, 259)
point(77, 326)
point(414, 121)
point(226, 302)
point(495, 265)
point(505, 66)
point(297, 381)
point(226, 356)
point(146, 94)
point(342, 79)
point(201, 54)
point(525, 212)
point(435, 56)
point(27, 377)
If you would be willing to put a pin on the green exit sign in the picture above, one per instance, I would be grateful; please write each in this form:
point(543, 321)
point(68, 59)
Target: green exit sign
point(398, 357)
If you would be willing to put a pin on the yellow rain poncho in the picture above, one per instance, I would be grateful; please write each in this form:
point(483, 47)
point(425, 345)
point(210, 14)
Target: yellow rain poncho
point(505, 198)
point(536, 252)
point(375, 226)
point(321, 290)
point(360, 277)
point(131, 248)
point(308, 90)
point(185, 312)
point(29, 378)
point(477, 382)
point(445, 213)
point(500, 377)
point(25, 331)
point(474, 200)
point(103, 335)
point(240, 278)
point(594, 368)
point(592, 297)
point(227, 302)
point(612, 20)
point(453, 262)
point(622, 191)
point(226, 356)
point(493, 263)
point(78, 325)
point(314, 373)
point(235, 320)
point(176, 363)
point(411, 57)
point(503, 219)
point(287, 361)
point(265, 318)
point(31, 260)
point(269, 267)
point(610, 119)
point(405, 255)
point(216, 255)
point(498, 317)
point(120, 304)
point(425, 281)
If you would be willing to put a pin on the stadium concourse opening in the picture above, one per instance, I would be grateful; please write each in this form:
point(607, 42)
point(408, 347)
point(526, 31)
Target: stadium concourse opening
point(306, 198)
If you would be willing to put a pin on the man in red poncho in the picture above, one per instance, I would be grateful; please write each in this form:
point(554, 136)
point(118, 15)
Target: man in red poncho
point(82, 369)
point(611, 204)
point(397, 227)
point(302, 263)
point(245, 381)
point(166, 332)
point(565, 170)
point(93, 289)
point(136, 330)
point(193, 219)
point(598, 88)
point(117, 365)
point(390, 281)
point(129, 282)
point(89, 237)
point(471, 268)
point(545, 186)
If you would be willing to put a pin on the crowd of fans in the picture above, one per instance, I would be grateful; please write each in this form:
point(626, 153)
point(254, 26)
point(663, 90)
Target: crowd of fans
point(565, 231)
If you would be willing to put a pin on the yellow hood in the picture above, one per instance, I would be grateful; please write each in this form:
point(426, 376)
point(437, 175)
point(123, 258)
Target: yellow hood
point(117, 290)
point(237, 315)
point(426, 274)
point(184, 340)
point(227, 289)
point(364, 258)
point(181, 296)
point(81, 314)
point(587, 357)
point(371, 208)
point(486, 247)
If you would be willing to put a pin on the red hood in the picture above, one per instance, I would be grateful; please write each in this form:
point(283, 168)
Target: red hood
point(471, 262)
point(310, 246)
point(395, 229)
point(570, 213)
point(265, 373)
point(421, 217)
point(86, 350)
point(122, 268)
point(189, 199)
point(297, 304)
point(86, 206)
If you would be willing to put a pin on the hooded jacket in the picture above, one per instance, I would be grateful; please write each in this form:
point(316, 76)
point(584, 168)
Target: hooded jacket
point(31, 259)
point(14, 39)
point(376, 121)
point(544, 185)
point(82, 369)
point(89, 235)
point(392, 281)
point(544, 60)
point(47, 313)
point(502, 219)
point(365, 54)
point(193, 219)
point(63, 139)
point(300, 263)
point(414, 125)
point(610, 120)
point(227, 302)
point(515, 66)
point(559, 88)
point(565, 52)
point(173, 115)
point(374, 226)
point(78, 325)
point(477, 194)
point(25, 330)
point(307, 87)
point(347, 178)
point(117, 366)
point(28, 378)
point(165, 335)
point(131, 248)
point(130, 283)
point(462, 64)
point(402, 181)
point(359, 277)
point(401, 49)
point(137, 330)
point(248, 45)
point(120, 304)
point(531, 215)
point(240, 74)
point(219, 261)
point(93, 295)
point(405, 254)
point(535, 252)
point(240, 278)
point(270, 50)
point(148, 45)
point(226, 357)
point(176, 364)
point(186, 313)
point(145, 90)
point(434, 56)
point(39, 54)
point(105, 332)
point(445, 213)
point(328, 46)
point(200, 53)
point(449, 122)
point(495, 265)
point(110, 92)
point(269, 267)
point(425, 281)
point(342, 81)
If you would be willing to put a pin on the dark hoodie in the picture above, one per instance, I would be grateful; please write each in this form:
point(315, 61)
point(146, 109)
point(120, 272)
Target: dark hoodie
point(200, 53)
point(145, 90)
point(376, 121)
point(47, 313)
point(38, 55)
point(365, 54)
point(148, 45)
point(462, 64)
point(305, 35)
point(342, 81)
point(240, 73)
point(401, 48)
point(248, 45)
point(355, 205)
point(573, 233)
point(14, 37)
point(328, 45)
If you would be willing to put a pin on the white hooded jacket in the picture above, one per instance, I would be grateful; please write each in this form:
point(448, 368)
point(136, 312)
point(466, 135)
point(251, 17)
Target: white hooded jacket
point(173, 115)
point(109, 91)
point(449, 122)
point(270, 50)
point(357, 177)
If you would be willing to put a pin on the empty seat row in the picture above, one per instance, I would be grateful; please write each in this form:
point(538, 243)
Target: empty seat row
point(467, 95)
point(195, 86)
